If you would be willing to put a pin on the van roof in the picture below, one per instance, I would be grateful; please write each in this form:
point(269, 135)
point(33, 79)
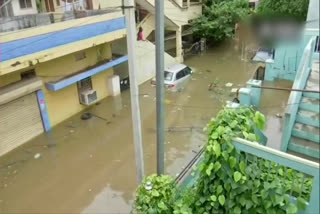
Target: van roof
point(175, 67)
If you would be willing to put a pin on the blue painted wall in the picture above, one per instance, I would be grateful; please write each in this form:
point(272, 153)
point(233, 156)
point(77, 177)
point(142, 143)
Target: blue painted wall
point(30, 45)
point(285, 63)
point(287, 59)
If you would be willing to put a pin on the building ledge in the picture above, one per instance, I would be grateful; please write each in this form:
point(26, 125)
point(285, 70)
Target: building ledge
point(58, 85)
point(46, 42)
point(19, 89)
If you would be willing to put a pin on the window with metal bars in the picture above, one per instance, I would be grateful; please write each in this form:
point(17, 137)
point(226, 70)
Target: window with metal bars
point(84, 85)
point(25, 4)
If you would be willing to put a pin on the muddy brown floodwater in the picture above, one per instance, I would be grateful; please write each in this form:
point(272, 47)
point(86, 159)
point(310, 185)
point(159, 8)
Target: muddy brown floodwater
point(88, 166)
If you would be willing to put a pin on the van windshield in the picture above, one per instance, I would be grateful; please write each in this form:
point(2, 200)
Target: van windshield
point(168, 75)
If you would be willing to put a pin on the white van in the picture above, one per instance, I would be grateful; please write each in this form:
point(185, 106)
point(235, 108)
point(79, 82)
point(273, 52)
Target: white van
point(176, 76)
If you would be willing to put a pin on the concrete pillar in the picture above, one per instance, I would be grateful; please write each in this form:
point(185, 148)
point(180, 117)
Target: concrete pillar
point(255, 92)
point(270, 73)
point(245, 96)
point(188, 3)
point(179, 56)
point(114, 85)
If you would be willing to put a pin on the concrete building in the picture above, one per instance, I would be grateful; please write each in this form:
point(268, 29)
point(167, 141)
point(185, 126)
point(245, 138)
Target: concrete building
point(17, 7)
point(53, 70)
point(50, 73)
point(178, 14)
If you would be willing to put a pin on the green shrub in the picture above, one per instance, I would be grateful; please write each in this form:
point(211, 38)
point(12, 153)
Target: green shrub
point(156, 194)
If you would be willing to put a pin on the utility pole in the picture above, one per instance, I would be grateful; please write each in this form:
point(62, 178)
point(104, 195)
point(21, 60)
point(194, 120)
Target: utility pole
point(159, 7)
point(134, 90)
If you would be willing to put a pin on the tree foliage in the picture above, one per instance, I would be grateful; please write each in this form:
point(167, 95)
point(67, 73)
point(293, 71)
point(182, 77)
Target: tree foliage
point(218, 19)
point(297, 9)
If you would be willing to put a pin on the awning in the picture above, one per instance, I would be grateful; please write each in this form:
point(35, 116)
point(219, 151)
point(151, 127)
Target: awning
point(55, 86)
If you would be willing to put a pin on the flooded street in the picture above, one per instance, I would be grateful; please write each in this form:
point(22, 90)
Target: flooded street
point(273, 105)
point(88, 166)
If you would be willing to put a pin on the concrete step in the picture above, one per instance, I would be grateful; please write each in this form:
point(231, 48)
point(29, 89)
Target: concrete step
point(313, 80)
point(308, 118)
point(311, 95)
point(304, 147)
point(311, 100)
point(317, 160)
point(315, 65)
point(306, 132)
point(309, 107)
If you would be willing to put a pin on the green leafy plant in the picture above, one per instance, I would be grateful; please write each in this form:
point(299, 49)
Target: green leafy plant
point(156, 195)
point(229, 181)
point(235, 182)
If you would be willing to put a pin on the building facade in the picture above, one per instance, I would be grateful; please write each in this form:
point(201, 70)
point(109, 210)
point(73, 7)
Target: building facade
point(17, 7)
point(52, 72)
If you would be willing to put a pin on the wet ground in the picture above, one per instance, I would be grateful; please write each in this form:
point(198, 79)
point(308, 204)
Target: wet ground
point(88, 165)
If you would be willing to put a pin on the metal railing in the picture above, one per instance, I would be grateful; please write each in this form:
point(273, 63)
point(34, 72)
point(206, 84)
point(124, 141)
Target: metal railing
point(298, 169)
point(291, 163)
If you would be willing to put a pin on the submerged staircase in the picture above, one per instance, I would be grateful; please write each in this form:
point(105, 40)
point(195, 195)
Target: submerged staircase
point(301, 134)
point(305, 137)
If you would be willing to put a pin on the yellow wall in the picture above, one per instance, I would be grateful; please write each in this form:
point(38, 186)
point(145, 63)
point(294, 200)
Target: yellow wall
point(64, 103)
point(9, 78)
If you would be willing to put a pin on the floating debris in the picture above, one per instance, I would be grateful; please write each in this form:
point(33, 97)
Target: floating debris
point(229, 84)
point(278, 115)
point(36, 156)
point(234, 90)
point(211, 86)
point(146, 95)
point(148, 186)
point(166, 101)
point(71, 131)
point(86, 116)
